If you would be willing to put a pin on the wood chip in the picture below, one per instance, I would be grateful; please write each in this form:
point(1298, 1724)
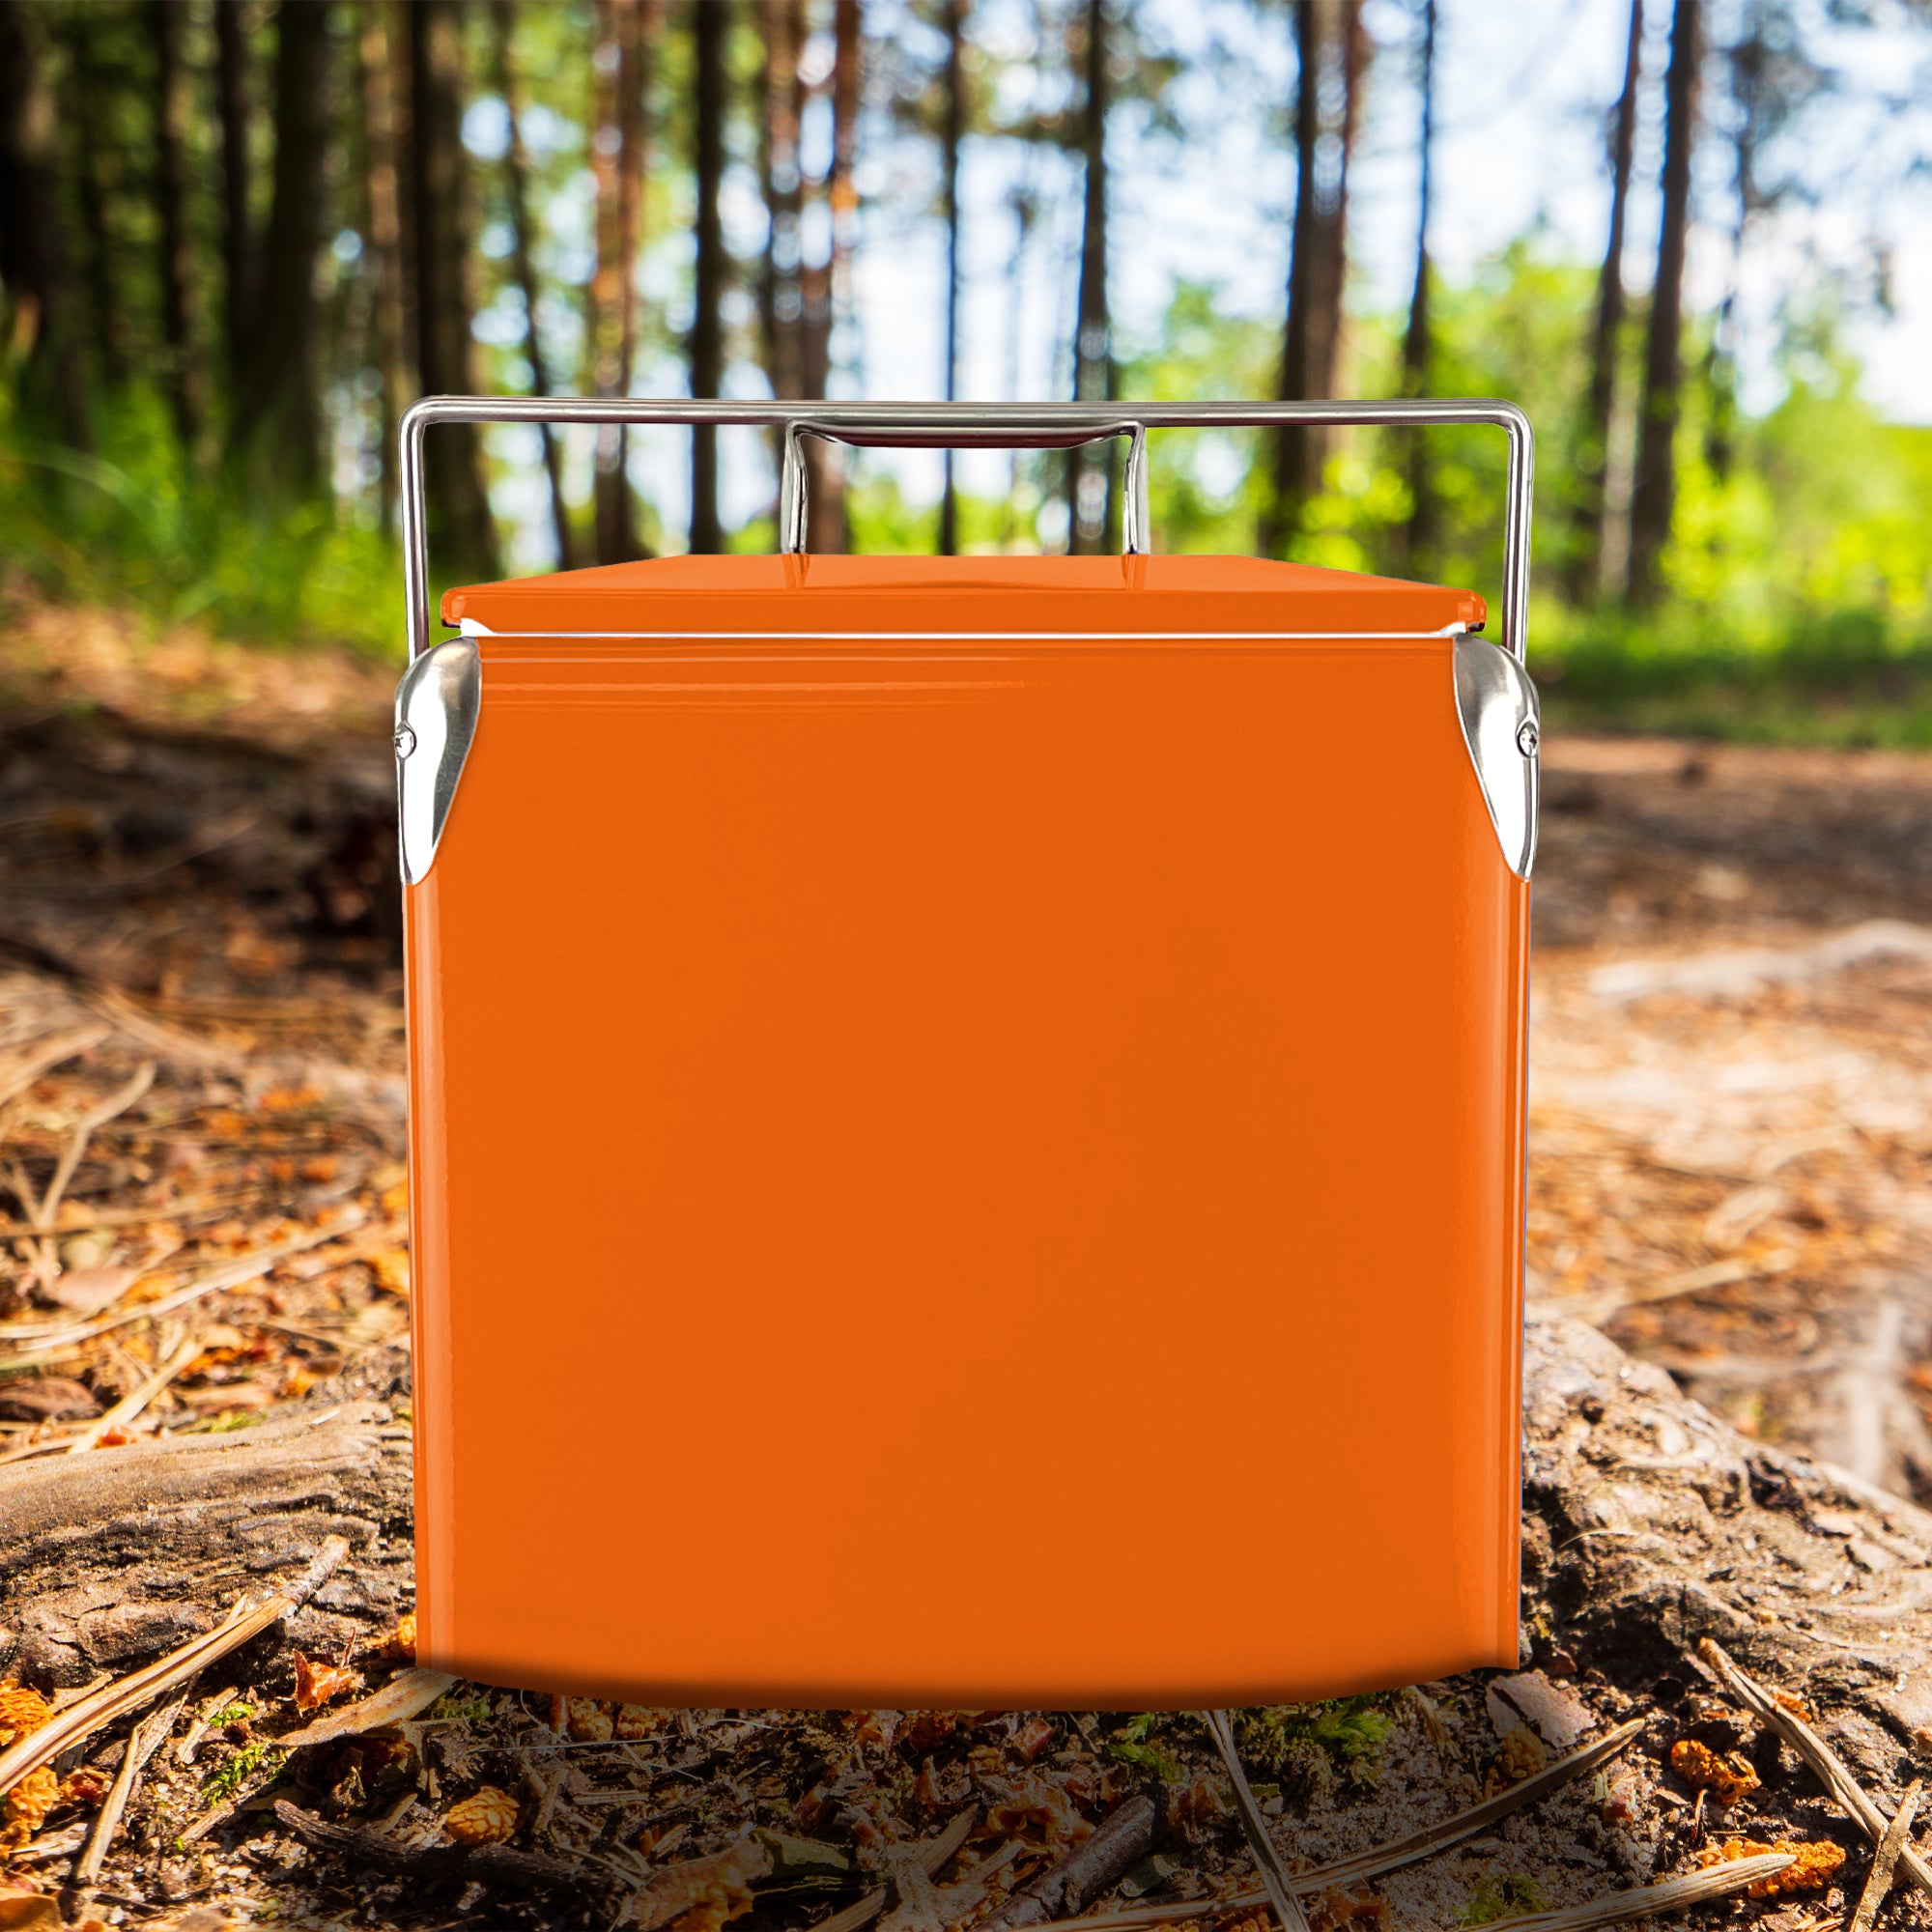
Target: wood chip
point(405, 1695)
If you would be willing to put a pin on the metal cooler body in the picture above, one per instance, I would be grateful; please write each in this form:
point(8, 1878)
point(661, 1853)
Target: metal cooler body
point(966, 1130)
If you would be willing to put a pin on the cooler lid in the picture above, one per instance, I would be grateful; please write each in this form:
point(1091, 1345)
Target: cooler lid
point(954, 596)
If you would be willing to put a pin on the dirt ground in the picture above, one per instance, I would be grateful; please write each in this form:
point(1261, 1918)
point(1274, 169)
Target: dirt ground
point(1731, 1081)
point(200, 1037)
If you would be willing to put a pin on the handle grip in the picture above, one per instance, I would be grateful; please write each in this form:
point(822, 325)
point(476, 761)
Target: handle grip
point(1000, 425)
point(1014, 429)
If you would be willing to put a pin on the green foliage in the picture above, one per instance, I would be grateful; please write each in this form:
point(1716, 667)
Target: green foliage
point(227, 1780)
point(131, 524)
point(1800, 601)
point(1311, 1747)
point(1135, 1743)
point(1504, 1895)
point(450, 1709)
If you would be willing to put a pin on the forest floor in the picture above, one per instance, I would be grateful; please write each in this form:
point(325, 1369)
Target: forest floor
point(201, 1094)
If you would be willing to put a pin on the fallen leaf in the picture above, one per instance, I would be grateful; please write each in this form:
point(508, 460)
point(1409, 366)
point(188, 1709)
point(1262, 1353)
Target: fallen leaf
point(318, 1684)
point(88, 1291)
point(1034, 1735)
point(28, 1912)
point(392, 1268)
point(1553, 1711)
point(47, 1398)
point(86, 1786)
point(702, 1894)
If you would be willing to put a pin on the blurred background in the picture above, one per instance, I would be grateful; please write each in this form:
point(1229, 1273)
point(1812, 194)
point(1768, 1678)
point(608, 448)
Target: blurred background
point(237, 238)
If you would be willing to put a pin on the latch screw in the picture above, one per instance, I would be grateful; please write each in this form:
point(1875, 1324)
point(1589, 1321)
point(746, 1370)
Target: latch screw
point(1526, 738)
point(405, 741)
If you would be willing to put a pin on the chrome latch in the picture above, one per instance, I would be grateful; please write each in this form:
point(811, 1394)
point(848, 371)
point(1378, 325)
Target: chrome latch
point(437, 708)
point(1503, 729)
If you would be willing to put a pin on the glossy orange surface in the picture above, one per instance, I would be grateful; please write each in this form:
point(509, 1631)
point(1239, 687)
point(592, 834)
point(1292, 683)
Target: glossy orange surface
point(967, 1173)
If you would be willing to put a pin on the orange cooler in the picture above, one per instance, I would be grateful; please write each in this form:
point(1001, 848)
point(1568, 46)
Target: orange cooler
point(967, 1124)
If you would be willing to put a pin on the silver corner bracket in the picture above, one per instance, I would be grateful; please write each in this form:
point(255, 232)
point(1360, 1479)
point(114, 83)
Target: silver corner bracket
point(437, 707)
point(1501, 724)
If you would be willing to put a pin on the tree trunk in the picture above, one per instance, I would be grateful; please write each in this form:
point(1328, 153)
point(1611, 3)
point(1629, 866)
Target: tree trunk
point(780, 302)
point(463, 537)
point(1090, 506)
point(711, 25)
point(88, 85)
point(1419, 533)
point(1331, 50)
point(378, 60)
point(1586, 562)
point(618, 166)
point(181, 368)
point(515, 182)
point(277, 407)
point(826, 527)
point(34, 269)
point(951, 134)
point(237, 234)
point(1654, 495)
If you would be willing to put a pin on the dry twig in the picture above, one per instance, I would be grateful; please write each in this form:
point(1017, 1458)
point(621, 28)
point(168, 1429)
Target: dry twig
point(202, 1722)
point(933, 1855)
point(238, 1272)
point(1093, 1866)
point(402, 1697)
point(146, 1738)
point(136, 1399)
point(1830, 1768)
point(45, 1208)
point(482, 1864)
point(1673, 1894)
point(1380, 1859)
point(1884, 1860)
point(22, 1074)
point(1254, 1827)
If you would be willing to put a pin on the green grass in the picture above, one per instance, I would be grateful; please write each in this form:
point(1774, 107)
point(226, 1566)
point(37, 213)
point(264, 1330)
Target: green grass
point(1312, 1747)
point(1504, 1895)
point(1136, 1744)
point(129, 524)
point(228, 1779)
point(1843, 677)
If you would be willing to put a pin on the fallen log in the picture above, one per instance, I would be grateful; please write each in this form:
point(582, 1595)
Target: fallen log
point(119, 1554)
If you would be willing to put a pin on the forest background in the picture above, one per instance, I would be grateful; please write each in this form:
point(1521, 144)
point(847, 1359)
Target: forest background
point(236, 239)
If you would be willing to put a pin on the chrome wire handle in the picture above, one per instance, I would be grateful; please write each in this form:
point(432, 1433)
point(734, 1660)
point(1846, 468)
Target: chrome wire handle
point(998, 428)
point(998, 425)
